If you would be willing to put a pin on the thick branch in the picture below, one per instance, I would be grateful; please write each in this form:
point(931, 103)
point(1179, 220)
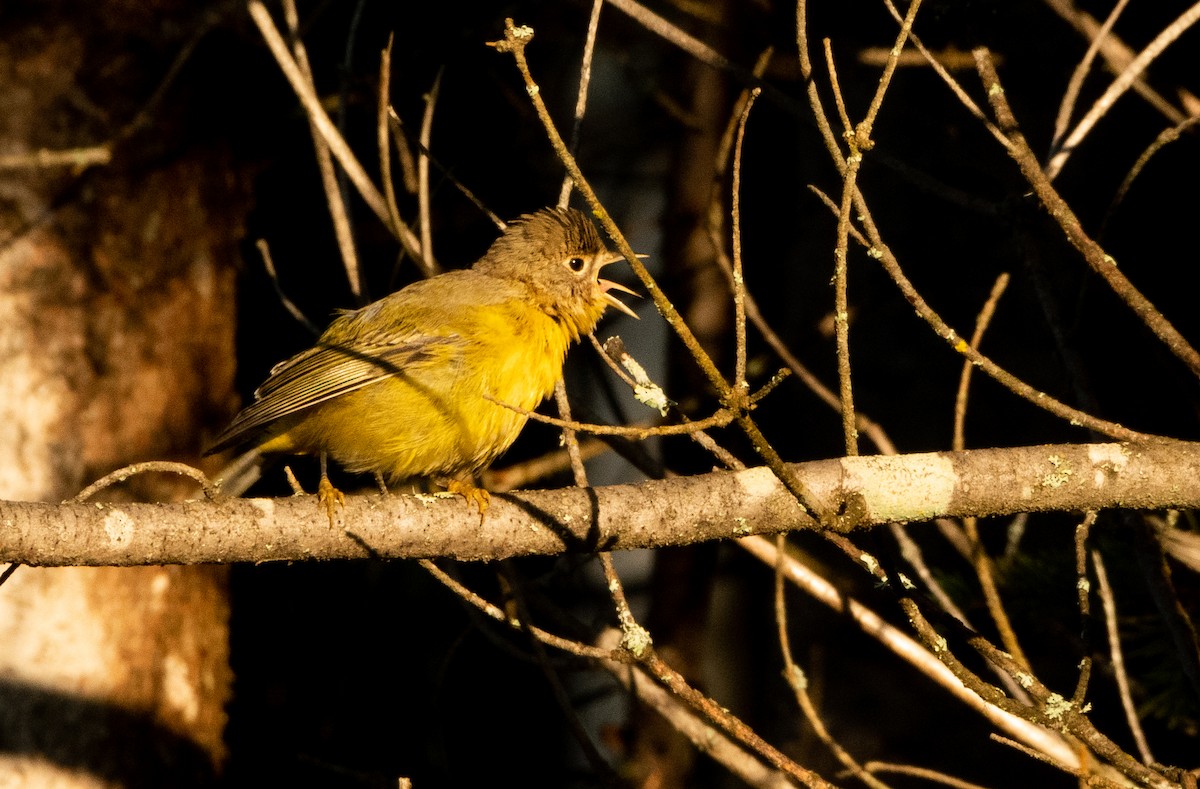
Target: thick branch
point(872, 490)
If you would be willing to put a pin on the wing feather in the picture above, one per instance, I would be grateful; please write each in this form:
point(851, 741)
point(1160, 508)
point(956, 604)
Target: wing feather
point(370, 349)
point(328, 371)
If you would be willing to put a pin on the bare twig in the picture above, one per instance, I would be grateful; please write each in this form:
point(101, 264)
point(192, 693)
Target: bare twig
point(1122, 83)
point(523, 474)
point(408, 165)
point(1083, 588)
point(498, 614)
point(585, 78)
point(720, 419)
point(1109, 604)
point(382, 122)
point(1034, 753)
point(1074, 416)
point(984, 567)
point(933, 776)
point(664, 29)
point(569, 711)
point(8, 572)
point(798, 682)
point(858, 140)
point(424, 225)
point(964, 378)
point(728, 722)
point(1117, 55)
point(1164, 138)
point(739, 282)
point(77, 159)
point(841, 308)
point(1071, 95)
point(287, 303)
point(149, 467)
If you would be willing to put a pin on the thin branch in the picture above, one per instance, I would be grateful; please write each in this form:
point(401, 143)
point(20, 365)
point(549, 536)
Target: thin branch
point(523, 474)
point(498, 614)
point(858, 140)
point(982, 562)
point(933, 776)
point(1070, 768)
point(935, 62)
point(635, 639)
point(841, 308)
point(982, 322)
point(149, 467)
point(8, 572)
point(1006, 379)
point(664, 29)
point(739, 281)
point(1164, 138)
point(570, 712)
point(401, 134)
point(408, 164)
point(879, 250)
point(424, 224)
point(287, 303)
point(729, 723)
point(1157, 573)
point(78, 159)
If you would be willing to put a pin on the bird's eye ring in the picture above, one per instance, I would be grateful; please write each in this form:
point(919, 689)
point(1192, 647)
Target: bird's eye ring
point(576, 265)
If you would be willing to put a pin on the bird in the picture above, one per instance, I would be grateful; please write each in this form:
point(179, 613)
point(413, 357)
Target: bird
point(435, 380)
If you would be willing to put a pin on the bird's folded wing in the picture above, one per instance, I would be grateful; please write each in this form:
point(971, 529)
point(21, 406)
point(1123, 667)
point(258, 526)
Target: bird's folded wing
point(327, 371)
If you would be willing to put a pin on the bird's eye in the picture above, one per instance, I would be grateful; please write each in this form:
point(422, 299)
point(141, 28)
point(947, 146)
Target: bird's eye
point(576, 265)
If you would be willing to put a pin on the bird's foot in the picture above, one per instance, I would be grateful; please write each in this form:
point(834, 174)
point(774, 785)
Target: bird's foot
point(330, 498)
point(472, 493)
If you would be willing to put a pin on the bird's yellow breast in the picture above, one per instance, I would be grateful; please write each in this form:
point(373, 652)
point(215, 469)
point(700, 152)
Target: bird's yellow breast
point(447, 414)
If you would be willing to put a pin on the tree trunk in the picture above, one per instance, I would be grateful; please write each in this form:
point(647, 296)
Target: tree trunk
point(116, 341)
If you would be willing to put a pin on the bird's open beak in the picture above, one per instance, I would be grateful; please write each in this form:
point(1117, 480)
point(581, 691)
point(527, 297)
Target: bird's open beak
point(607, 285)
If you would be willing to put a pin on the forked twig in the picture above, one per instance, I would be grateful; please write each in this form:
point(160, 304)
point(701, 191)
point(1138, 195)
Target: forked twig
point(337, 144)
point(1122, 83)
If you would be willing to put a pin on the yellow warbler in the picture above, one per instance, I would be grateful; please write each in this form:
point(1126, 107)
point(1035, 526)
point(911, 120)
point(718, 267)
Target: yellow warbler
point(415, 384)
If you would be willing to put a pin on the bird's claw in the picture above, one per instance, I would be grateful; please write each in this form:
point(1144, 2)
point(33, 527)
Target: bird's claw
point(330, 498)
